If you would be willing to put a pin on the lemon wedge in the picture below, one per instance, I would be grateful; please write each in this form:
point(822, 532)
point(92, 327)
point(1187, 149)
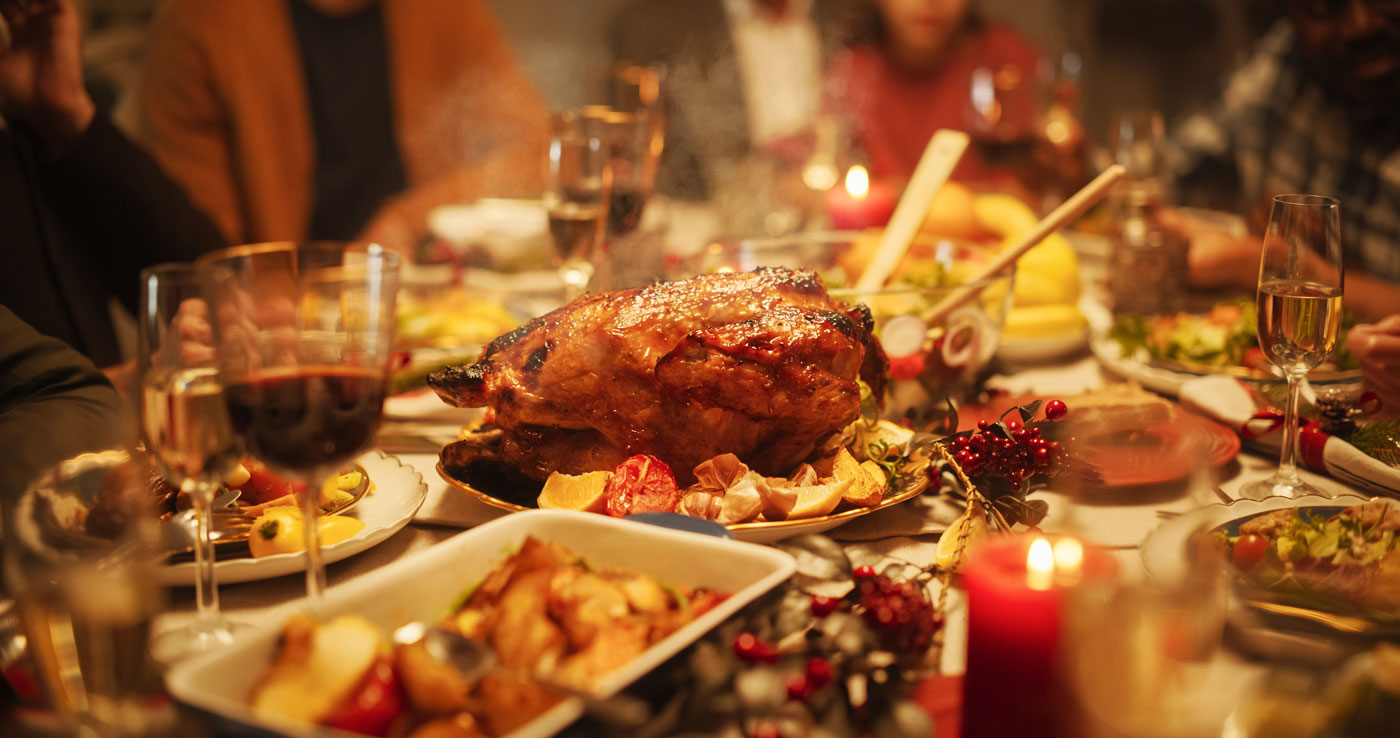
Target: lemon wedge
point(970, 528)
point(819, 499)
point(568, 492)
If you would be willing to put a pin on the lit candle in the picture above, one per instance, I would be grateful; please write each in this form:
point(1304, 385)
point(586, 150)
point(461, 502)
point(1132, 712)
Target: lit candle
point(861, 203)
point(1015, 587)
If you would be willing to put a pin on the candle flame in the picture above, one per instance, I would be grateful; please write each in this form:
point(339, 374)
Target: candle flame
point(858, 182)
point(1069, 560)
point(1040, 565)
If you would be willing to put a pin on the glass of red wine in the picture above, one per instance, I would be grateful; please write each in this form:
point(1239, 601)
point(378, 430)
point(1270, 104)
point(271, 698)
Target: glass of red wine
point(303, 333)
point(1300, 313)
point(577, 191)
point(633, 147)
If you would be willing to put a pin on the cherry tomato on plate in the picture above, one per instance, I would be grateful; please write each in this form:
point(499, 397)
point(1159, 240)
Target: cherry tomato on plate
point(1249, 551)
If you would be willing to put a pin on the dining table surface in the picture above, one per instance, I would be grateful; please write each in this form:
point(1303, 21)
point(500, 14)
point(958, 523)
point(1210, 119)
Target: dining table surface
point(1118, 520)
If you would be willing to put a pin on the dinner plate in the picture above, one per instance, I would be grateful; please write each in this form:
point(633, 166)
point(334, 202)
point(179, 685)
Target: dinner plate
point(1165, 552)
point(1166, 452)
point(398, 492)
point(426, 585)
point(761, 532)
point(1166, 376)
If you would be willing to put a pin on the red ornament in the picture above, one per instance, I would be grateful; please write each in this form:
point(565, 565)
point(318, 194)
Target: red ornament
point(798, 688)
point(863, 572)
point(823, 606)
point(906, 367)
point(1055, 410)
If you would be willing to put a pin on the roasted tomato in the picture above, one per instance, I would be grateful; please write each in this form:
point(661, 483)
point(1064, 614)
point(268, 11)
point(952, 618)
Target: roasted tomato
point(1249, 551)
point(262, 485)
point(641, 484)
point(374, 707)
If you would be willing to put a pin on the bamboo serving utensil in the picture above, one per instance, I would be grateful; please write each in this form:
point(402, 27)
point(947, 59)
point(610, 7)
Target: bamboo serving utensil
point(935, 166)
point(1058, 218)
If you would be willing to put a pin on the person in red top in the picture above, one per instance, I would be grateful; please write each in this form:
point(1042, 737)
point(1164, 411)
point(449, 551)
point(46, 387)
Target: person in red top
point(916, 66)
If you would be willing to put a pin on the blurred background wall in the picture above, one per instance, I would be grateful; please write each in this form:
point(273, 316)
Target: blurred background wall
point(1162, 54)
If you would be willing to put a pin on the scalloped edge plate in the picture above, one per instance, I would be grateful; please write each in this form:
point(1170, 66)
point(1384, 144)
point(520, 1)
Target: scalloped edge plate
point(399, 490)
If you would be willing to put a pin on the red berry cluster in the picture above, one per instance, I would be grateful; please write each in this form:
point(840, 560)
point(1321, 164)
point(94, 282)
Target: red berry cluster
point(1015, 459)
point(900, 612)
point(814, 675)
point(748, 647)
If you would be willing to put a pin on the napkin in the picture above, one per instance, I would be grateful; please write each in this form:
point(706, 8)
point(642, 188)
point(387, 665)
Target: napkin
point(1228, 401)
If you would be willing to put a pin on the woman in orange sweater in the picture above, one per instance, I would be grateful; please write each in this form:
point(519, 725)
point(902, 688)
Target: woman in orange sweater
point(332, 119)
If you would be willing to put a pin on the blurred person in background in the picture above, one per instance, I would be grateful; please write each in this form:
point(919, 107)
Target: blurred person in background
point(1315, 109)
point(338, 119)
point(911, 70)
point(82, 208)
point(743, 76)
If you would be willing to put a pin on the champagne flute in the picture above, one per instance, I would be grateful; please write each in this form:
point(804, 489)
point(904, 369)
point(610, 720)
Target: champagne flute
point(304, 333)
point(1300, 311)
point(578, 187)
point(186, 428)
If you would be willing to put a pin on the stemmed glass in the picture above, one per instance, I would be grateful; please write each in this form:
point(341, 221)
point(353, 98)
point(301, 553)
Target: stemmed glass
point(1300, 311)
point(186, 427)
point(633, 146)
point(578, 187)
point(303, 336)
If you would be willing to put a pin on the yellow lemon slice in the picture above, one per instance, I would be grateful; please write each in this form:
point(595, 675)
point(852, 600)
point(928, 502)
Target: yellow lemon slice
point(970, 528)
point(820, 499)
point(568, 492)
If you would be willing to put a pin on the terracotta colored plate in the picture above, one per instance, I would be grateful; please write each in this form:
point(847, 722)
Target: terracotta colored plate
point(1162, 453)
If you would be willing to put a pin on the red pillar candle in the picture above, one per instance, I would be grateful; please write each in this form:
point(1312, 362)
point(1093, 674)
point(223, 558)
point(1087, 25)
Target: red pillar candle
point(860, 203)
point(1015, 588)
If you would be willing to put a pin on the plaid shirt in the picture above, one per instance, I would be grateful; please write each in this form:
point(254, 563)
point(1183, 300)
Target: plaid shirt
point(1275, 129)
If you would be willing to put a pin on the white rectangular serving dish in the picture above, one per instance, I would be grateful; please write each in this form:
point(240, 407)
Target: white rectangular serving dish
point(426, 585)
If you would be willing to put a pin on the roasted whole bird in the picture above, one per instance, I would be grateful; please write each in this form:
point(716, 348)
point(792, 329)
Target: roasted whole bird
point(760, 364)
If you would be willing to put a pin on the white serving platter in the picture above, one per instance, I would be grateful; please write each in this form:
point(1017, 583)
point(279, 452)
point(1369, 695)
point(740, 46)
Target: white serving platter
point(426, 585)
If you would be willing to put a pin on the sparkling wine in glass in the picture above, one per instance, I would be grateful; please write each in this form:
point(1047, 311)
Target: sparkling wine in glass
point(577, 200)
point(186, 429)
point(1300, 312)
point(304, 335)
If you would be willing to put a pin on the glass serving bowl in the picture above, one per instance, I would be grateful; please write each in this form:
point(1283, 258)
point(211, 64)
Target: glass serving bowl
point(932, 359)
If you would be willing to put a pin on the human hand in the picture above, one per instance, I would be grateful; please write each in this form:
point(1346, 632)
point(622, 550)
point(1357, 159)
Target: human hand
point(41, 74)
point(1215, 257)
point(1377, 347)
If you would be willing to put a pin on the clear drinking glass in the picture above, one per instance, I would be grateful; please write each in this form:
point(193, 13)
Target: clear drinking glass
point(577, 199)
point(80, 549)
point(303, 335)
point(1300, 312)
point(186, 428)
point(1137, 140)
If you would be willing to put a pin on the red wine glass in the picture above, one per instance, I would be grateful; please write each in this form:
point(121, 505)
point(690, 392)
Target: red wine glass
point(303, 334)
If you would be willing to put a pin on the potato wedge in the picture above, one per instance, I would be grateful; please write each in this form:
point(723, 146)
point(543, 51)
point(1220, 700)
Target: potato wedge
point(864, 490)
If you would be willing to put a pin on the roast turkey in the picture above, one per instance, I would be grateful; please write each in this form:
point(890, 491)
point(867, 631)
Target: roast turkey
point(760, 364)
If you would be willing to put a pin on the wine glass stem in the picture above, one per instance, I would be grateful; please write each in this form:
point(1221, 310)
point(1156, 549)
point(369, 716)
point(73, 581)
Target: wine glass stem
point(315, 570)
point(1288, 457)
point(207, 592)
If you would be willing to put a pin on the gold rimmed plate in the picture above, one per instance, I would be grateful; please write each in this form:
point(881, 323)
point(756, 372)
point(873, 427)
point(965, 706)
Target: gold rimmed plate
point(759, 532)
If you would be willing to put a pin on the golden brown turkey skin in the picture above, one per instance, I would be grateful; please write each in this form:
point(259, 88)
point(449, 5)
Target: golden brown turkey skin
point(760, 364)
